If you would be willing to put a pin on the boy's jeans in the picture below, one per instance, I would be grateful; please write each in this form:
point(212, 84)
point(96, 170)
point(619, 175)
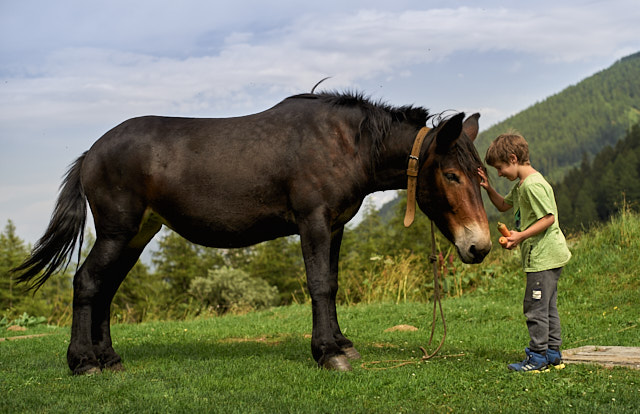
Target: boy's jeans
point(540, 308)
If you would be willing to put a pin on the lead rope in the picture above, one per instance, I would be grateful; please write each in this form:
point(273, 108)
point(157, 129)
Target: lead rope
point(436, 300)
point(412, 178)
point(436, 303)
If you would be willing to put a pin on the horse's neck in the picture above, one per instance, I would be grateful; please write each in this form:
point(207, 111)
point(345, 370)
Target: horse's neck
point(391, 169)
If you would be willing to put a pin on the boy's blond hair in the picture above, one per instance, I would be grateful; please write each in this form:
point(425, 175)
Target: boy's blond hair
point(505, 145)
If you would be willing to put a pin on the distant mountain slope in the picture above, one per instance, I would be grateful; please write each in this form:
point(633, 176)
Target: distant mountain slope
point(582, 119)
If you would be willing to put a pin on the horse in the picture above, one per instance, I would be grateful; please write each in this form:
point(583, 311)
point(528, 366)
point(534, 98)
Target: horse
point(302, 167)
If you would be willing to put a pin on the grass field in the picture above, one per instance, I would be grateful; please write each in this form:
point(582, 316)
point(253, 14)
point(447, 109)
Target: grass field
point(260, 362)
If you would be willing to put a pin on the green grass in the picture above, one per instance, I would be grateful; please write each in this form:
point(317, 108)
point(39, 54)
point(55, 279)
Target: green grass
point(260, 362)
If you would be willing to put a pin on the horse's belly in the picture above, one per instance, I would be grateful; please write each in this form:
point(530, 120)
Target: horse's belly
point(232, 239)
point(230, 229)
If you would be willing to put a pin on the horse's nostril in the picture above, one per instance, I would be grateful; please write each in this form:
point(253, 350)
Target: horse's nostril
point(476, 255)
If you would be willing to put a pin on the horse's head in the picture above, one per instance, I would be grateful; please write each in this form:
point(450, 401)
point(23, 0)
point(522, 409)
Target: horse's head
point(448, 187)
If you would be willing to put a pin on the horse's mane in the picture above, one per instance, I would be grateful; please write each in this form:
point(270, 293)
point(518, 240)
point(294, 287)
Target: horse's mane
point(377, 116)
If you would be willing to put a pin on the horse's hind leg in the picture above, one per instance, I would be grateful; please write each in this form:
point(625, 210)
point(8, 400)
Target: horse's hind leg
point(94, 285)
point(90, 287)
point(101, 315)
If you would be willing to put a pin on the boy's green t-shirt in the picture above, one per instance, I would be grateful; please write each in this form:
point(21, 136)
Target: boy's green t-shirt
point(533, 199)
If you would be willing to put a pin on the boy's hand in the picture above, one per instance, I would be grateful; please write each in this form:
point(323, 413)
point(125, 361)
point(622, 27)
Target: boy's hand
point(513, 240)
point(495, 198)
point(484, 180)
point(538, 227)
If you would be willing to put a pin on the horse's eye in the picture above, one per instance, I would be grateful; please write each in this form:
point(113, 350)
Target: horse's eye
point(452, 177)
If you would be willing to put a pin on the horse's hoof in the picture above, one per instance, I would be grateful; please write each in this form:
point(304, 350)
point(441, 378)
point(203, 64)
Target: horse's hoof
point(351, 353)
point(116, 367)
point(337, 363)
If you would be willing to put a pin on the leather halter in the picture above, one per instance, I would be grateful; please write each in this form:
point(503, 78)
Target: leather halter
point(412, 176)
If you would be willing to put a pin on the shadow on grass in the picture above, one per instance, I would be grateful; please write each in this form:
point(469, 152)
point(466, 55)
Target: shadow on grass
point(294, 348)
point(188, 350)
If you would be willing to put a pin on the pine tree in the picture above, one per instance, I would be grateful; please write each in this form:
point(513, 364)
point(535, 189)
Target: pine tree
point(12, 253)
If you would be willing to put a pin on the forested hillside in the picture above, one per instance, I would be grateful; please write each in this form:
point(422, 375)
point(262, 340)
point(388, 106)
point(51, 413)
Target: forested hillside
point(596, 190)
point(582, 119)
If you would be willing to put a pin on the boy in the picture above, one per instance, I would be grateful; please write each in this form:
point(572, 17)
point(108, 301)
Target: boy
point(543, 246)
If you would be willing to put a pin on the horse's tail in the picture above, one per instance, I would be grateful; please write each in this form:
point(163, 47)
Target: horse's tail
point(66, 228)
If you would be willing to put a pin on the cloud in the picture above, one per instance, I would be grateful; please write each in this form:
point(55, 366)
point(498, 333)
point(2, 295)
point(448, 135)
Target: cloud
point(289, 59)
point(251, 68)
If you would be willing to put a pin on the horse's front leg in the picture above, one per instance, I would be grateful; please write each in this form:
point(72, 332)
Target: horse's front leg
point(315, 240)
point(345, 344)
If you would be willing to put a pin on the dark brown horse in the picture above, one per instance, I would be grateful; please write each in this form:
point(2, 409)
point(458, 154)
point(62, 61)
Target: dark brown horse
point(302, 167)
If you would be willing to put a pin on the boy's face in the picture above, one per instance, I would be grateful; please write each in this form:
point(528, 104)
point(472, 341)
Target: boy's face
point(509, 171)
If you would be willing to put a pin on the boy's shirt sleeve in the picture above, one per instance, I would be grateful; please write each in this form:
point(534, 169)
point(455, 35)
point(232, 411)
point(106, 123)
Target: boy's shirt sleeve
point(540, 202)
point(509, 198)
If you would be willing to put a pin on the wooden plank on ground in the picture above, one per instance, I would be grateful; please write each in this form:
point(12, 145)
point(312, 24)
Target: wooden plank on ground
point(609, 356)
point(15, 338)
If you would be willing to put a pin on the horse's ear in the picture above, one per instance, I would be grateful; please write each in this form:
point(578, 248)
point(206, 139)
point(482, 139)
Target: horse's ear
point(470, 126)
point(449, 133)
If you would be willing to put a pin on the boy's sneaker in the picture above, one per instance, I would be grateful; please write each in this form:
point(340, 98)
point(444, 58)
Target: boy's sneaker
point(554, 359)
point(534, 362)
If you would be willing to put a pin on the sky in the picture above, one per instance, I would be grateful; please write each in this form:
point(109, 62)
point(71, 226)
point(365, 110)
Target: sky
point(71, 70)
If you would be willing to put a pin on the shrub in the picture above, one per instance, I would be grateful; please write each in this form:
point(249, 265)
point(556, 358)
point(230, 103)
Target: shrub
point(233, 290)
point(24, 320)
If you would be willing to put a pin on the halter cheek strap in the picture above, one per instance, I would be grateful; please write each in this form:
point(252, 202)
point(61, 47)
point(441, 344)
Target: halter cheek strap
point(412, 176)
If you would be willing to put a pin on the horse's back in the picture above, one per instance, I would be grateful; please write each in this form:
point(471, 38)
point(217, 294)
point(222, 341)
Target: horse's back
point(267, 136)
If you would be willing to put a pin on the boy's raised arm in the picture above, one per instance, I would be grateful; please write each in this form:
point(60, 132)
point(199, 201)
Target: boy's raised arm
point(494, 196)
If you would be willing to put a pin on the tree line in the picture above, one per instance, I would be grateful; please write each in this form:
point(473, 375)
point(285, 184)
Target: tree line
point(598, 188)
point(380, 260)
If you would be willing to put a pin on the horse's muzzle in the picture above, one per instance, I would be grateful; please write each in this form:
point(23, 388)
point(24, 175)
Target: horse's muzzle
point(474, 245)
point(475, 254)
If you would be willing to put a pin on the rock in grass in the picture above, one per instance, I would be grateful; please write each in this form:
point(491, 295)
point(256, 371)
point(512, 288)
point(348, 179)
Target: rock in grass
point(401, 328)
